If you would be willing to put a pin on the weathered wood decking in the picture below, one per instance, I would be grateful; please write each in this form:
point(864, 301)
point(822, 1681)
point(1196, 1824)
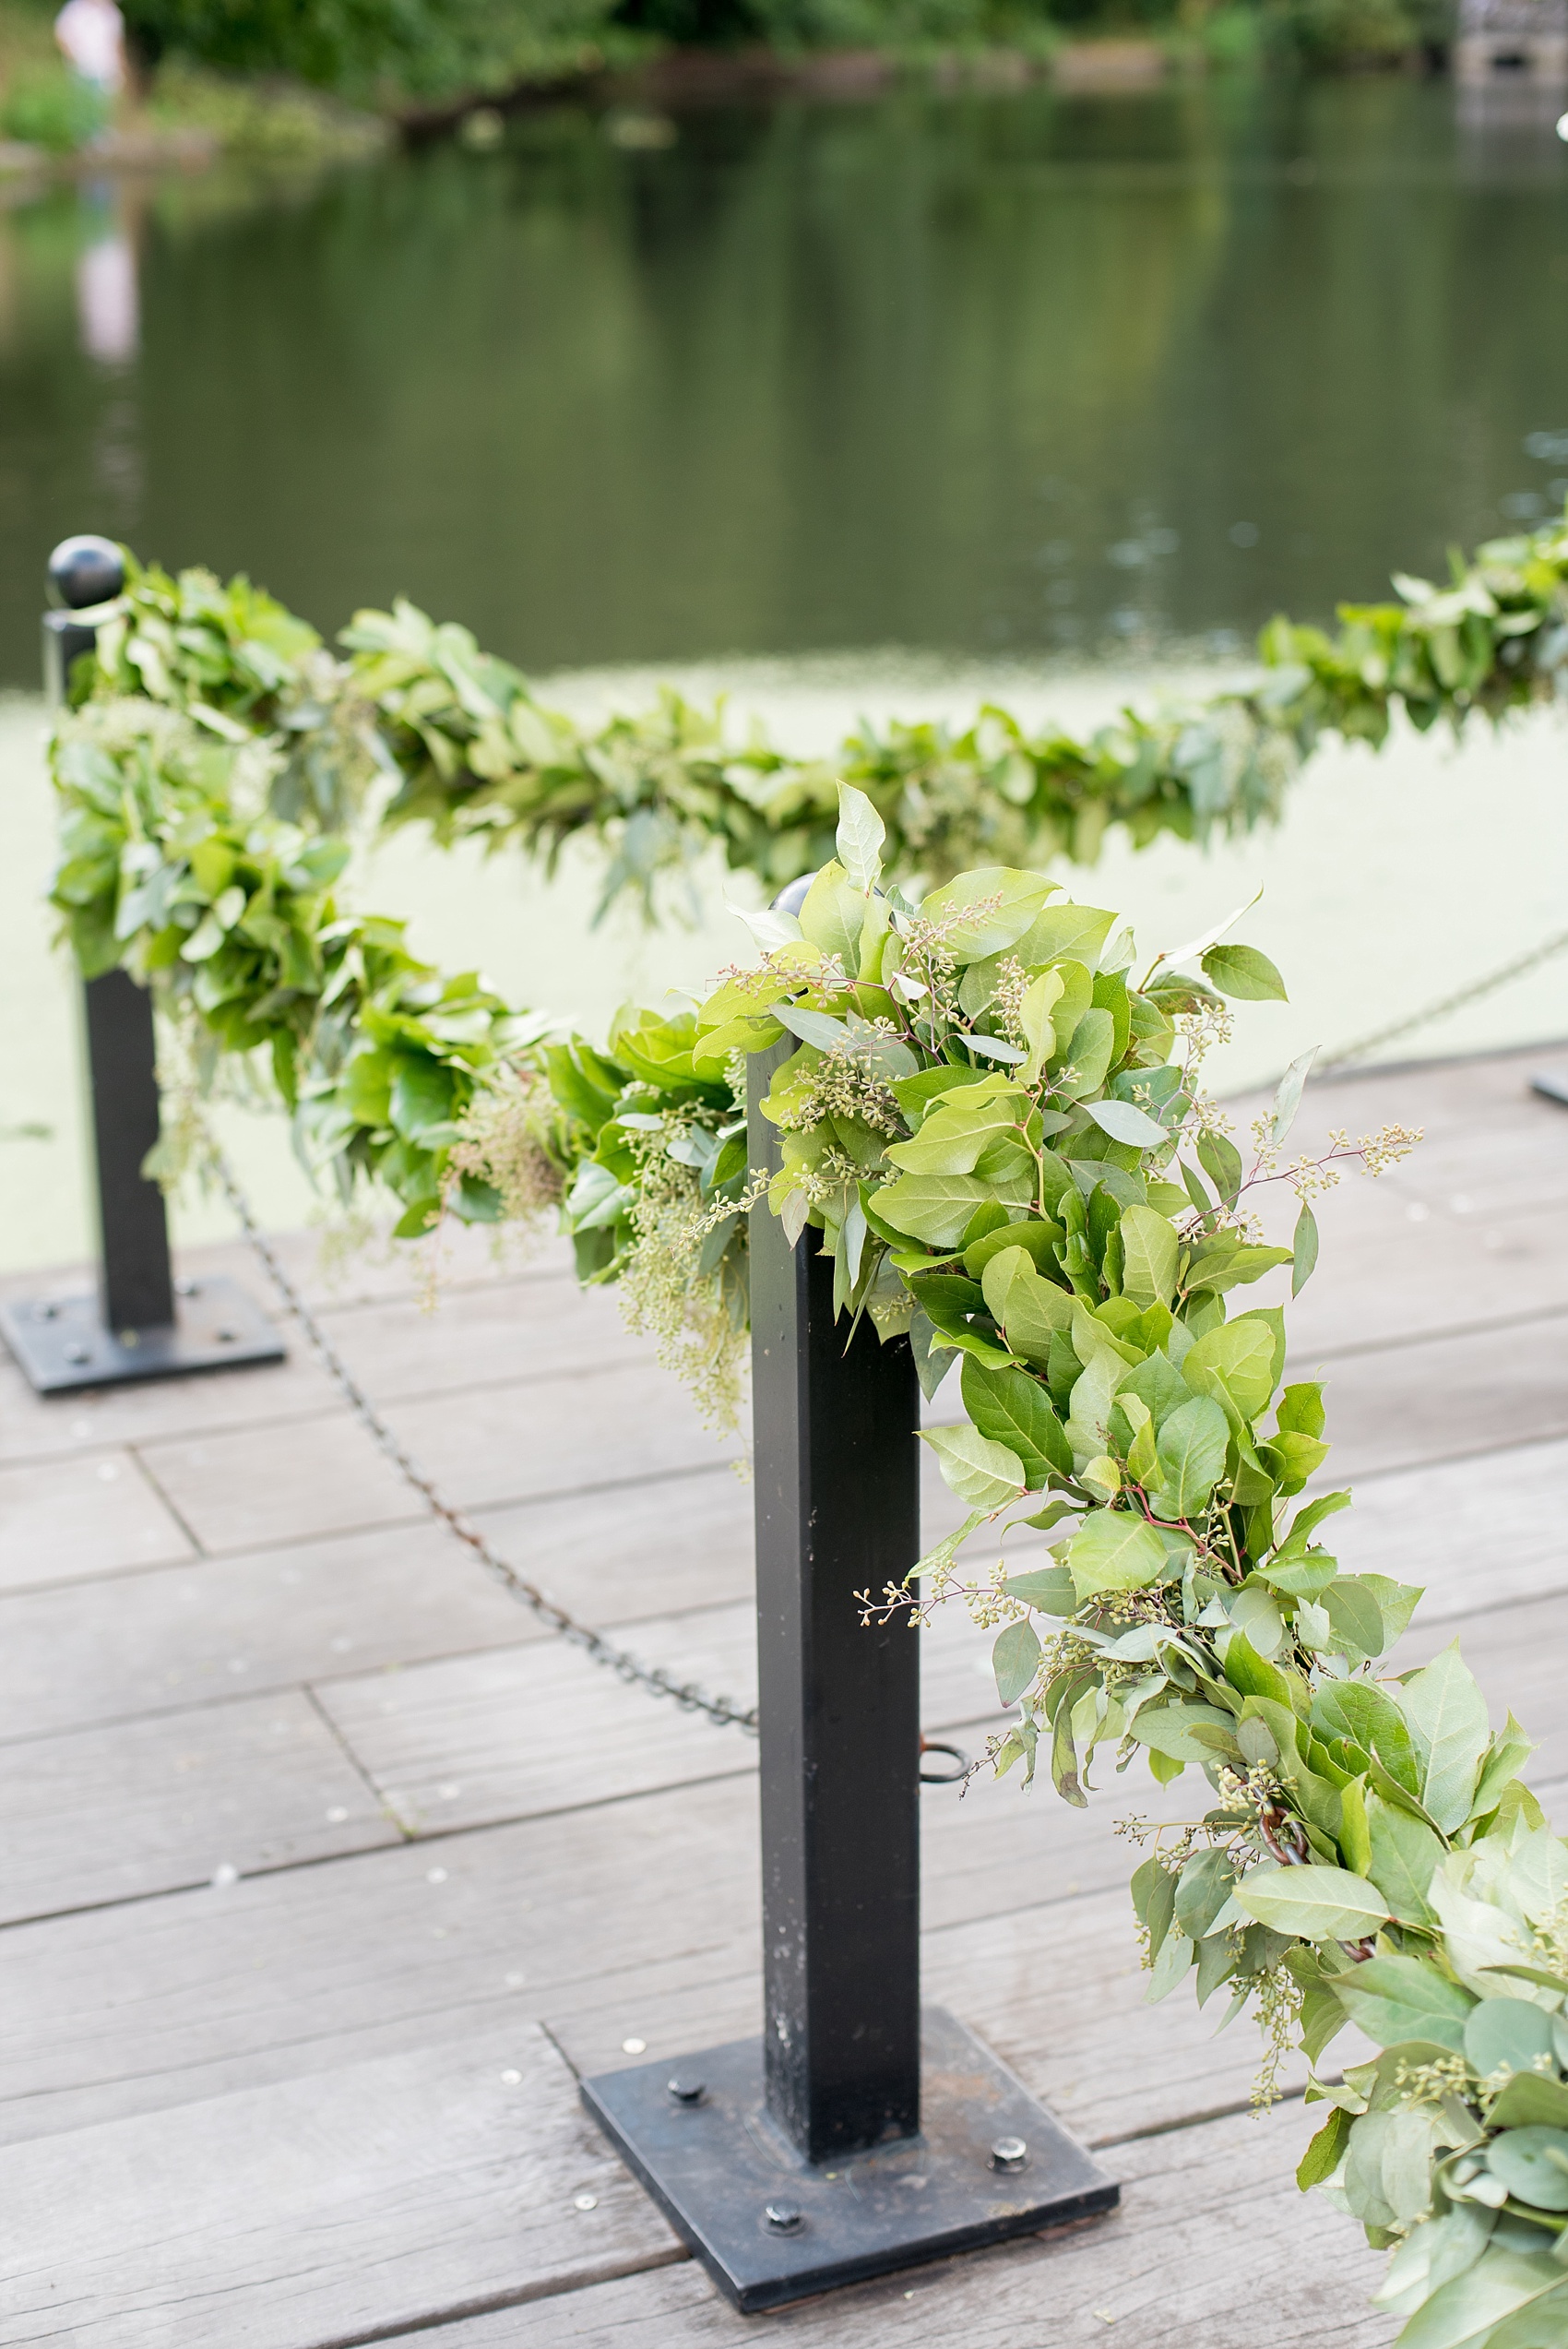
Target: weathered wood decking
point(334, 2102)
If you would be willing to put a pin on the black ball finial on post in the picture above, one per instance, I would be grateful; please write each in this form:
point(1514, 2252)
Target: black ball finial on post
point(86, 570)
point(136, 1327)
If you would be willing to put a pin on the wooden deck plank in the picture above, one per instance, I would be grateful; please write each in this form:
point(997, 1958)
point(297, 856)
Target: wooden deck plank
point(184, 1635)
point(521, 1730)
point(106, 1815)
point(615, 1426)
point(41, 1427)
point(238, 1489)
point(213, 1989)
point(63, 1520)
point(1473, 1533)
point(116, 2012)
point(1443, 1398)
point(1211, 2231)
point(332, 2209)
point(507, 1331)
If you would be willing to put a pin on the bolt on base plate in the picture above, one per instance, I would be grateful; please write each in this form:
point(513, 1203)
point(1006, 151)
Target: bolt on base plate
point(62, 1345)
point(770, 2227)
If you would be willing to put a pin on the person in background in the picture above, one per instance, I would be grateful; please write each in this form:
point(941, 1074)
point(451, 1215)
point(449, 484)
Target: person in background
point(91, 35)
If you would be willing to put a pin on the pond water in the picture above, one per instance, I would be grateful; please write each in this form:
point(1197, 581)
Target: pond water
point(1007, 376)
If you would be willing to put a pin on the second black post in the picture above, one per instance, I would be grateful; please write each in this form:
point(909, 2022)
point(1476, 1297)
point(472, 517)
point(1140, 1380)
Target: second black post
point(838, 1703)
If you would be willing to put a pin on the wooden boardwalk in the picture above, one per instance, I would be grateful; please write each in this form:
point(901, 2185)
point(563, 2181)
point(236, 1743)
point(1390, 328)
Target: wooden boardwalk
point(324, 1869)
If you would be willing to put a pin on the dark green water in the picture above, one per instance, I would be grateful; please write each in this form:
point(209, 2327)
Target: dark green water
point(1003, 375)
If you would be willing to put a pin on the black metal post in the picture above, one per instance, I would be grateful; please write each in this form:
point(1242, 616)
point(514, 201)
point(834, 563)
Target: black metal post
point(136, 1281)
point(838, 1704)
point(858, 2135)
point(134, 1328)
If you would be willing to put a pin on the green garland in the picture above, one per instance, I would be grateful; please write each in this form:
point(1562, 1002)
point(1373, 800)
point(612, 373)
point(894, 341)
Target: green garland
point(233, 921)
point(1002, 1140)
point(1000, 1137)
point(473, 754)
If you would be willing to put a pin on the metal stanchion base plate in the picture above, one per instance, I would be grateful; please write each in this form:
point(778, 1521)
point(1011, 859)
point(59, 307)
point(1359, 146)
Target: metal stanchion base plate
point(715, 2166)
point(1552, 1085)
point(62, 1345)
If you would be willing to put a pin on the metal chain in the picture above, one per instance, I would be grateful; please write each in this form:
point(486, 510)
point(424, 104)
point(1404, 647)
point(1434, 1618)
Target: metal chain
point(653, 1678)
point(1516, 970)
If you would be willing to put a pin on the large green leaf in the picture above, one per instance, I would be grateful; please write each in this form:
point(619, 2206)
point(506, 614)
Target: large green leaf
point(1243, 972)
point(953, 1135)
point(984, 912)
point(1181, 1732)
point(1398, 1997)
point(1024, 1303)
point(1123, 1120)
point(1149, 1253)
point(1531, 2101)
point(1236, 1359)
point(937, 1208)
point(1470, 2312)
point(1448, 1722)
point(985, 1474)
point(1190, 1449)
point(834, 914)
point(1319, 1903)
point(860, 835)
point(1404, 1854)
point(1014, 1659)
point(1013, 1409)
point(1114, 1550)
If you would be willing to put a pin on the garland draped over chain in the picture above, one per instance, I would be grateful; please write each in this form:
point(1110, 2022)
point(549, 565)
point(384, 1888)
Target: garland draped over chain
point(998, 1134)
point(219, 753)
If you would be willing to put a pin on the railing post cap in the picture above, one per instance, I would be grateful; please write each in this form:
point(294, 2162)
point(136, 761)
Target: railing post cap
point(86, 570)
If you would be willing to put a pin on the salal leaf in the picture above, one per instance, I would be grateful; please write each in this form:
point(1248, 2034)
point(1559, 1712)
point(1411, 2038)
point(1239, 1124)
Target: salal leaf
point(983, 912)
point(1447, 1718)
point(1303, 1249)
point(1191, 1449)
point(1182, 1733)
point(1049, 1588)
point(1023, 1302)
point(1114, 1550)
point(1125, 1122)
point(1405, 1853)
point(1040, 998)
point(1256, 1614)
point(834, 915)
point(1243, 972)
point(860, 835)
point(937, 1208)
point(811, 1027)
point(1323, 2155)
point(985, 1474)
point(1320, 1903)
point(1508, 1756)
point(1204, 1888)
point(1471, 2311)
point(1014, 1659)
point(1235, 1361)
point(1397, 1999)
point(1150, 1250)
point(1013, 1410)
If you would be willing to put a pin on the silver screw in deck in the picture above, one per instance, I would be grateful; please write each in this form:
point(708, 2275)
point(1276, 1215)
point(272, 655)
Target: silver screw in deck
point(1009, 2154)
point(784, 2218)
